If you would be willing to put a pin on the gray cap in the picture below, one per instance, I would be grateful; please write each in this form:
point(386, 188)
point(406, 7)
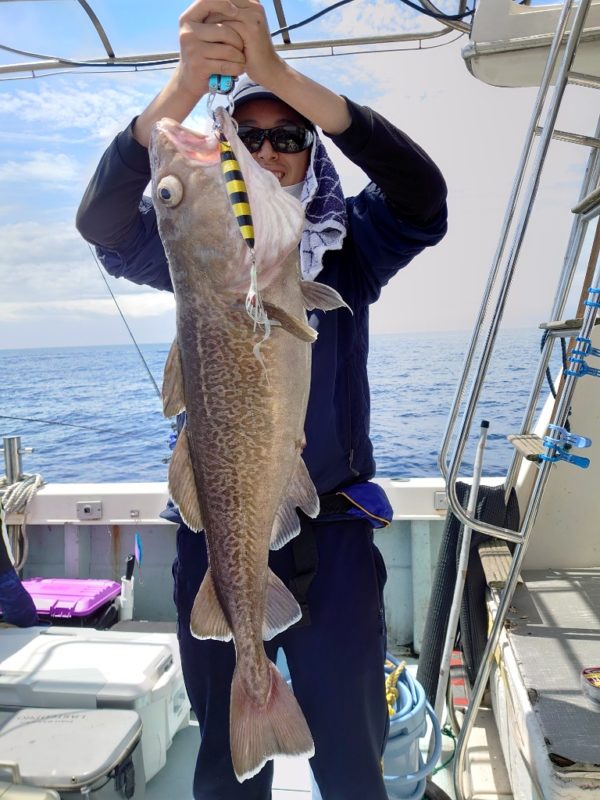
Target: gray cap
point(246, 89)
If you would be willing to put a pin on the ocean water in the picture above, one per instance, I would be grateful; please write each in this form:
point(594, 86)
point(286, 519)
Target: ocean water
point(91, 414)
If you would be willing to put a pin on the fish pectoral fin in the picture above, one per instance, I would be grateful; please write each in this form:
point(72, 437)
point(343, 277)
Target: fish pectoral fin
point(182, 484)
point(258, 733)
point(172, 388)
point(208, 620)
point(301, 494)
point(297, 327)
point(281, 608)
point(319, 295)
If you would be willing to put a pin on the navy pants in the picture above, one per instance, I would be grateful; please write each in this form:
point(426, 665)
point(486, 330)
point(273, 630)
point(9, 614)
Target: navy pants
point(335, 662)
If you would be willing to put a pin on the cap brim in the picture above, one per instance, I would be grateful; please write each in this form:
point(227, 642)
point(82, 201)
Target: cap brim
point(240, 101)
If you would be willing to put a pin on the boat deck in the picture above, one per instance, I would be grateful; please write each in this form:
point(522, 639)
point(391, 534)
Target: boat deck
point(292, 780)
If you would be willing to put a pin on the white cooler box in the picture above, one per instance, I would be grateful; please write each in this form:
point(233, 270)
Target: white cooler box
point(9, 791)
point(85, 668)
point(95, 753)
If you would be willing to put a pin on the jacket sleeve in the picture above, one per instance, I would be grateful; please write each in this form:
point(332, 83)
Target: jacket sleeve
point(116, 217)
point(403, 208)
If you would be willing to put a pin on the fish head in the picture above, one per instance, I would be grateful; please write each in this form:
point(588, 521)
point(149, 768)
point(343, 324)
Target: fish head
point(195, 214)
point(195, 220)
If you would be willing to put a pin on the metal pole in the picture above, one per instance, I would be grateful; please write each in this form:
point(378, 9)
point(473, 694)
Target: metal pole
point(562, 412)
point(561, 82)
point(574, 246)
point(12, 458)
point(564, 405)
point(461, 575)
point(12, 451)
point(505, 230)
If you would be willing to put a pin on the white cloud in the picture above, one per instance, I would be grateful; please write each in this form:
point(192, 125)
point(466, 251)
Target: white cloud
point(46, 260)
point(82, 106)
point(141, 305)
point(376, 17)
point(56, 169)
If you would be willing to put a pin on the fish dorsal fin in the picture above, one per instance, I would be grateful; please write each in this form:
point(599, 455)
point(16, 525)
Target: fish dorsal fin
point(172, 388)
point(319, 295)
point(281, 608)
point(297, 327)
point(301, 494)
point(182, 485)
point(208, 621)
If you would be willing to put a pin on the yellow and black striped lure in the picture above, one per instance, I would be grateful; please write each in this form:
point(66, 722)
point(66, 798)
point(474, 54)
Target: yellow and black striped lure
point(236, 189)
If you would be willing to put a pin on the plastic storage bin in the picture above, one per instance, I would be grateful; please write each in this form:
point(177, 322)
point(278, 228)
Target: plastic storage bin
point(92, 753)
point(73, 601)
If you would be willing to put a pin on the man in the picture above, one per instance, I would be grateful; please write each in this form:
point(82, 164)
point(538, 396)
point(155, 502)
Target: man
point(335, 654)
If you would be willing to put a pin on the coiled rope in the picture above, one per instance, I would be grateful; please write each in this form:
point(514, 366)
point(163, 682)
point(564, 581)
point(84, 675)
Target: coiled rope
point(15, 499)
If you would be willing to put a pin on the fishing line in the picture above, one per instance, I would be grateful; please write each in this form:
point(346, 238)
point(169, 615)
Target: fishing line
point(141, 355)
point(60, 423)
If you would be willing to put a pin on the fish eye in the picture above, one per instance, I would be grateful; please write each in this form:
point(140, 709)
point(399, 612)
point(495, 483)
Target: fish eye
point(170, 191)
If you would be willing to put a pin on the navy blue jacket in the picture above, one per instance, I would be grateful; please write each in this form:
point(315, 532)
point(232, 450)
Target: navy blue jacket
point(399, 213)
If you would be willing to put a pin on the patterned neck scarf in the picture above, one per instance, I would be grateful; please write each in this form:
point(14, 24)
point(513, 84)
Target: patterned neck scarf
point(325, 209)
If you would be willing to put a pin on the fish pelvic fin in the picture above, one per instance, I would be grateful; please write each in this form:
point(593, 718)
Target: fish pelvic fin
point(319, 295)
point(208, 620)
point(172, 388)
point(258, 734)
point(281, 608)
point(182, 484)
point(301, 494)
point(297, 327)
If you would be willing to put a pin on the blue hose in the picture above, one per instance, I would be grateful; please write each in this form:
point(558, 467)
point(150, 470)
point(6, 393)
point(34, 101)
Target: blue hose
point(412, 701)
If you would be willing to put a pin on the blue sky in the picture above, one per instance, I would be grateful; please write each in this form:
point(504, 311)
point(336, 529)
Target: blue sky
point(54, 128)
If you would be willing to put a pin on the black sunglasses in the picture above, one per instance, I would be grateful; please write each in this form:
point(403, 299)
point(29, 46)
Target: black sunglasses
point(283, 139)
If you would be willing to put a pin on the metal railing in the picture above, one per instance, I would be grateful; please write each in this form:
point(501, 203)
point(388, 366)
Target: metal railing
point(451, 469)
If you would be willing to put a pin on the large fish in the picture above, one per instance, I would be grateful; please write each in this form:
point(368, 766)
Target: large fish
point(237, 470)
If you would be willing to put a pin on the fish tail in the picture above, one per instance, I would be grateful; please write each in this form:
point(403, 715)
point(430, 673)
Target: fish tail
point(258, 733)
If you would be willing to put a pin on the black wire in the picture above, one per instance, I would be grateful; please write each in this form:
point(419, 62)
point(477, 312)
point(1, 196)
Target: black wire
point(160, 62)
point(420, 8)
point(99, 63)
point(548, 370)
point(549, 379)
point(438, 15)
point(313, 18)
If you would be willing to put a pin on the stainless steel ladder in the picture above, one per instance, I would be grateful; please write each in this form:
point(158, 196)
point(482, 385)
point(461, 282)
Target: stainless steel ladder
point(570, 26)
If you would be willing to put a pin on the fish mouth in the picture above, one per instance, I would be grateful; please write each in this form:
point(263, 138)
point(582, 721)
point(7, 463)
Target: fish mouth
point(199, 148)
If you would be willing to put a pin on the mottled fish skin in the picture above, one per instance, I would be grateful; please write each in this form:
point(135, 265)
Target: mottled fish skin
point(245, 416)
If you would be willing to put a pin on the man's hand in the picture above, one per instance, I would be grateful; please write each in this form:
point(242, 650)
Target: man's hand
point(208, 45)
point(262, 63)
